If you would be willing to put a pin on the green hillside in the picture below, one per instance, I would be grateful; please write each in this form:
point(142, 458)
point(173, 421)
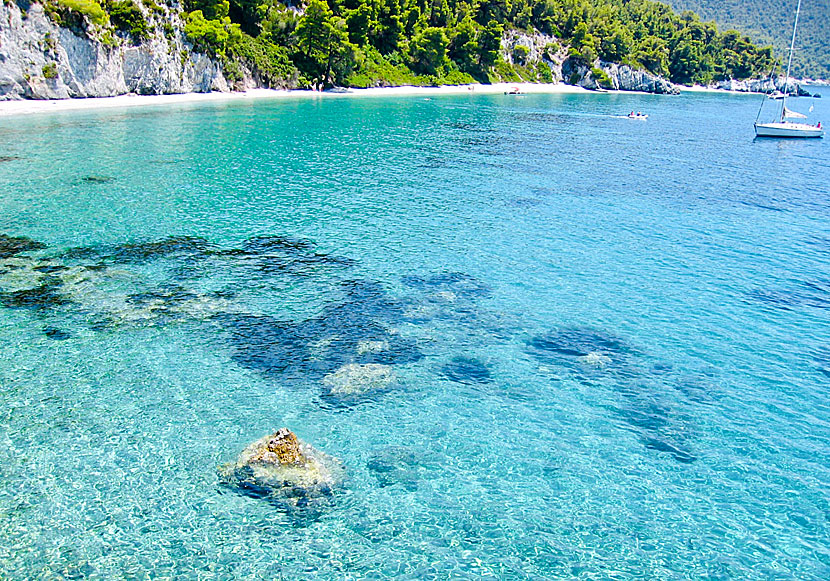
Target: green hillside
point(772, 22)
point(363, 43)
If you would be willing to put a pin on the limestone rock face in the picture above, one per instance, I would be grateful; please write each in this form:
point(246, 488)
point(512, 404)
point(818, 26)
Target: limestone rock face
point(356, 379)
point(763, 86)
point(41, 60)
point(538, 48)
point(282, 468)
point(625, 78)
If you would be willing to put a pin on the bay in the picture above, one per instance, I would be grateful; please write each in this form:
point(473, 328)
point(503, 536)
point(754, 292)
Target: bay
point(612, 338)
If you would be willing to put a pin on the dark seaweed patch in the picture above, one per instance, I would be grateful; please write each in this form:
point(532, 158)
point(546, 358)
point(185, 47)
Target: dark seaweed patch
point(278, 244)
point(654, 424)
point(141, 252)
point(12, 245)
point(49, 268)
point(466, 370)
point(659, 445)
point(459, 283)
point(83, 253)
point(572, 343)
point(95, 179)
point(57, 334)
point(810, 293)
point(367, 299)
point(319, 345)
point(326, 260)
point(265, 344)
point(44, 296)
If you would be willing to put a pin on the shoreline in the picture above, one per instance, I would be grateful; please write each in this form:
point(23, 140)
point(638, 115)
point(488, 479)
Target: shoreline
point(34, 106)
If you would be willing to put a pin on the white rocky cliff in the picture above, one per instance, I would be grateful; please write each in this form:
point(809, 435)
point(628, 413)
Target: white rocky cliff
point(41, 60)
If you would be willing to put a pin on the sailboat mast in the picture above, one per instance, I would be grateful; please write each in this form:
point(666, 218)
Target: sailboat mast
point(790, 62)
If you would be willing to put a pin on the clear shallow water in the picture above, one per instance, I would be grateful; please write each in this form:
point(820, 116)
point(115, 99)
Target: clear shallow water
point(692, 257)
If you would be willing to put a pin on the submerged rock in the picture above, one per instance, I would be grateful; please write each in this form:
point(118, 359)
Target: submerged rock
point(282, 468)
point(589, 348)
point(12, 245)
point(143, 251)
point(357, 379)
point(57, 334)
point(466, 370)
point(47, 295)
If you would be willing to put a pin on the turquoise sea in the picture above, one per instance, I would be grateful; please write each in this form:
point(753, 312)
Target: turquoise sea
point(610, 338)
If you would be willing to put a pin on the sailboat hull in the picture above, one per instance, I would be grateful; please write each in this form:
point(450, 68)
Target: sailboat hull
point(787, 130)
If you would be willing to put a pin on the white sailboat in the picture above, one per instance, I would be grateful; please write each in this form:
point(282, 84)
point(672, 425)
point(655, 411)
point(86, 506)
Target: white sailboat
point(785, 127)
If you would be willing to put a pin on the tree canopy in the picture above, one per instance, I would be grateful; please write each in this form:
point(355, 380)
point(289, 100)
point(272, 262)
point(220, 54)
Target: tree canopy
point(388, 42)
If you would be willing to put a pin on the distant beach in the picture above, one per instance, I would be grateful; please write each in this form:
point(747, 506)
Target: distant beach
point(26, 107)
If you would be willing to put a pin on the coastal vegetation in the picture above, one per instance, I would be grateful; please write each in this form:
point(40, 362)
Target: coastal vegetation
point(362, 43)
point(772, 22)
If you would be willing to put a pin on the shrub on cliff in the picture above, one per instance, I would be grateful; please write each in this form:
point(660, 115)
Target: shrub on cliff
point(89, 8)
point(126, 16)
point(602, 78)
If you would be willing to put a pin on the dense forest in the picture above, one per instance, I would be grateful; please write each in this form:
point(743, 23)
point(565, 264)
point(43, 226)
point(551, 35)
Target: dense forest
point(363, 43)
point(772, 22)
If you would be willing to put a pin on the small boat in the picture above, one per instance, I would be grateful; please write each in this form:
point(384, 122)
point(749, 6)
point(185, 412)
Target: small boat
point(639, 116)
point(514, 91)
point(783, 126)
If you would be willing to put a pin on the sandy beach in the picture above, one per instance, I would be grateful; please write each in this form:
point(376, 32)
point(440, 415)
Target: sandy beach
point(27, 107)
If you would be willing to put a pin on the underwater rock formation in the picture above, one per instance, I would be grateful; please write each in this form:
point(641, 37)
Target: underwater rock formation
point(357, 379)
point(578, 343)
point(466, 370)
point(646, 406)
point(584, 351)
point(315, 347)
point(353, 331)
point(87, 280)
point(142, 251)
point(12, 245)
point(459, 284)
point(57, 334)
point(285, 470)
